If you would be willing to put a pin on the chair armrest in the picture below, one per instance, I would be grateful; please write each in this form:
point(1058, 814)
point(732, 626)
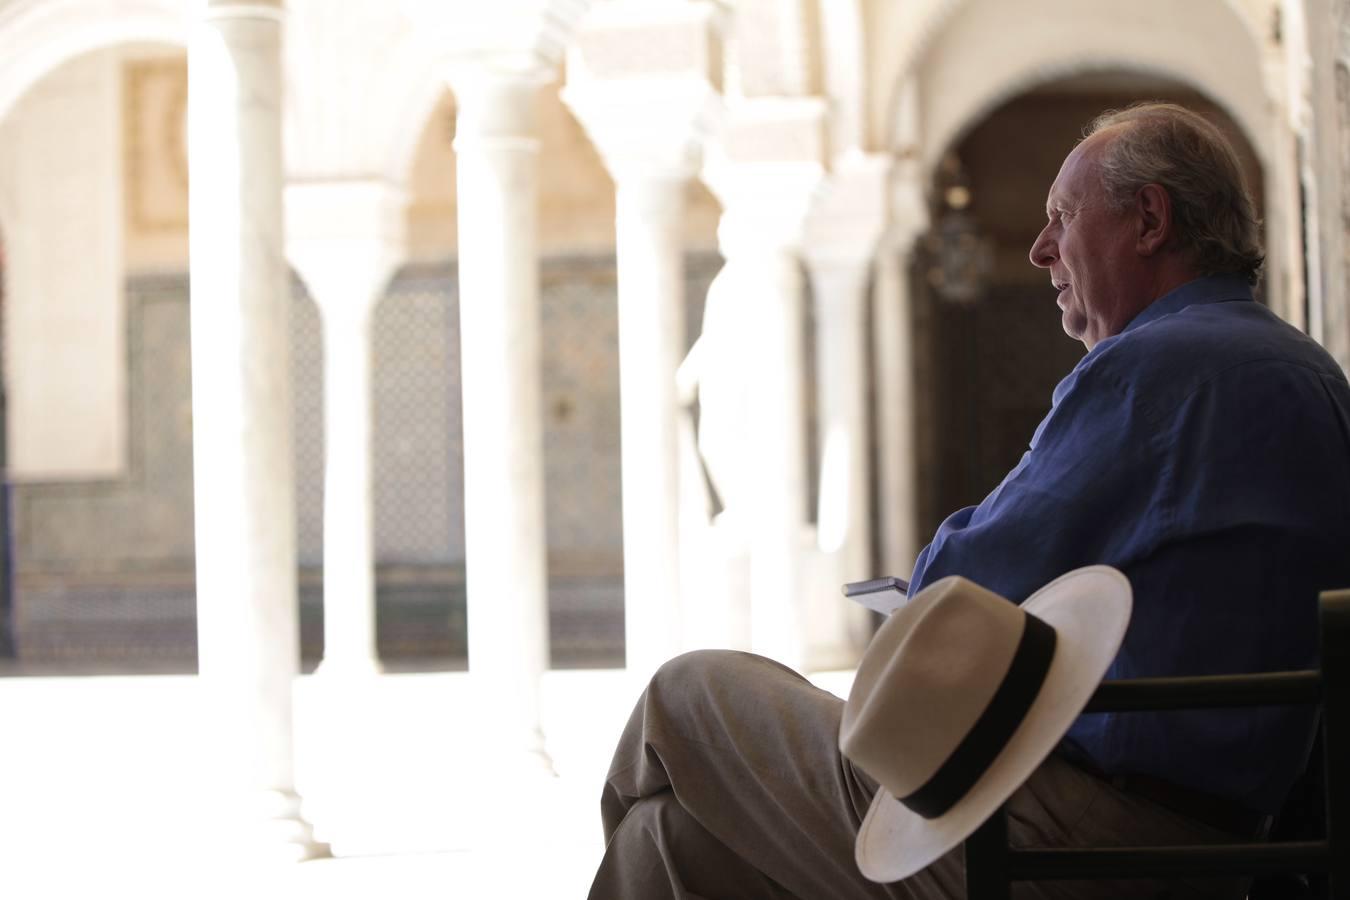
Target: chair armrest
point(1208, 691)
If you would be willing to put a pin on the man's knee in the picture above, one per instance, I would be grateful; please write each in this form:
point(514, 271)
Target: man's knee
point(698, 666)
point(700, 675)
point(647, 850)
point(655, 815)
point(662, 850)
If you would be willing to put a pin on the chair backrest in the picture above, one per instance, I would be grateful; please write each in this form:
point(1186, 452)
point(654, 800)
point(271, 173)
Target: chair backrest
point(991, 866)
point(1303, 817)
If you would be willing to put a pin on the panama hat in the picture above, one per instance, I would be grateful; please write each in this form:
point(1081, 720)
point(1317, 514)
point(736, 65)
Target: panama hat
point(961, 695)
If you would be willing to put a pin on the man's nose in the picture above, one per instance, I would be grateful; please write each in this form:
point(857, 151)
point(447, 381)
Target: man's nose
point(1043, 253)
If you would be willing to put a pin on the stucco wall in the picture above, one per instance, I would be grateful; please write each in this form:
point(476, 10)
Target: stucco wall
point(61, 214)
point(576, 204)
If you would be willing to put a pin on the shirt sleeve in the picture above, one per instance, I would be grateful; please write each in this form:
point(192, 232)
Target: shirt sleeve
point(1090, 489)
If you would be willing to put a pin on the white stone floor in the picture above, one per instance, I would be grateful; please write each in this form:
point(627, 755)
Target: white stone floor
point(102, 779)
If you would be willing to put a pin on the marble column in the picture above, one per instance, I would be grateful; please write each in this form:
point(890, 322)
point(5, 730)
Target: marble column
point(348, 497)
point(753, 436)
point(775, 356)
point(765, 168)
point(649, 131)
point(838, 631)
point(1317, 54)
point(842, 235)
point(1283, 274)
point(649, 246)
point(840, 292)
point(247, 618)
point(893, 352)
point(505, 557)
point(345, 238)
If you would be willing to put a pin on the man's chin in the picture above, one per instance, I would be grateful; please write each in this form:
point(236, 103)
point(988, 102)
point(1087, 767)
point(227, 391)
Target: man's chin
point(1075, 328)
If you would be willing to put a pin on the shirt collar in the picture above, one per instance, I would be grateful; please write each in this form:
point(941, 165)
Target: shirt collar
point(1210, 289)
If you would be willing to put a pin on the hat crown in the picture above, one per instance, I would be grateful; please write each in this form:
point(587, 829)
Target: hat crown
point(926, 679)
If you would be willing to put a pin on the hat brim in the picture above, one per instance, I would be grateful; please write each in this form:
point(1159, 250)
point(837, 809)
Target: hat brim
point(1089, 609)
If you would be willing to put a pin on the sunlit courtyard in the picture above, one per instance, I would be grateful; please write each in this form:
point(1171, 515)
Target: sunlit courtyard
point(374, 340)
point(111, 776)
point(108, 779)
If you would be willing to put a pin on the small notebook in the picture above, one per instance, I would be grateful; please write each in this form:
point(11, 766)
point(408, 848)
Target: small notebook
point(884, 595)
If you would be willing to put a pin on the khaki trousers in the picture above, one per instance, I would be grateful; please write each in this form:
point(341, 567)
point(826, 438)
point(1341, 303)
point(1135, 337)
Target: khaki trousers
point(728, 783)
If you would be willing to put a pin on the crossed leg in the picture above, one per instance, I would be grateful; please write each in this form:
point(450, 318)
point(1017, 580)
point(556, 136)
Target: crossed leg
point(728, 783)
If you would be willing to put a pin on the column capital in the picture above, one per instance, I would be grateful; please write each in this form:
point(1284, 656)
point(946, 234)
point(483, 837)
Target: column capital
point(908, 198)
point(345, 237)
point(241, 9)
point(765, 167)
point(851, 212)
point(644, 78)
point(496, 109)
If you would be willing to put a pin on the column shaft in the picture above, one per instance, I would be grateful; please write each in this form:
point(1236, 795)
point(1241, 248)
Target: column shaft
point(841, 374)
point(649, 244)
point(348, 498)
point(346, 238)
point(248, 645)
point(772, 280)
point(500, 361)
point(893, 350)
point(837, 631)
point(754, 322)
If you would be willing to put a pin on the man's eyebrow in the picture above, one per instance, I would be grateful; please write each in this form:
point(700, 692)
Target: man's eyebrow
point(1058, 204)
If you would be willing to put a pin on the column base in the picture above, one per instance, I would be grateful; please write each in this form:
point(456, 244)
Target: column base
point(520, 754)
point(268, 829)
point(348, 669)
point(289, 840)
point(533, 758)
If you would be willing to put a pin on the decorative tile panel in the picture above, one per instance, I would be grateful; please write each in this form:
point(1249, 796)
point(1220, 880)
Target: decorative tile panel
point(105, 572)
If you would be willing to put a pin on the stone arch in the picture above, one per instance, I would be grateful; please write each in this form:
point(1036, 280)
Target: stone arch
point(37, 36)
point(927, 19)
point(909, 36)
point(420, 93)
point(1085, 37)
point(955, 81)
point(360, 85)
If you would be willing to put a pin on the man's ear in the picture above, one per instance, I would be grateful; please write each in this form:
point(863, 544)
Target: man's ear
point(1154, 208)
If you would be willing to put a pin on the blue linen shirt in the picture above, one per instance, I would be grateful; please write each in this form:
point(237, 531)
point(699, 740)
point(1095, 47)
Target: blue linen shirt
point(1205, 452)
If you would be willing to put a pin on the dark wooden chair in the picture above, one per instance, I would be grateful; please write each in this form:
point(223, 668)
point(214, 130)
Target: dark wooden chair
point(992, 866)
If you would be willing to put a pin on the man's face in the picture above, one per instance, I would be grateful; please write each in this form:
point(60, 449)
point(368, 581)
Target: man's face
point(1089, 249)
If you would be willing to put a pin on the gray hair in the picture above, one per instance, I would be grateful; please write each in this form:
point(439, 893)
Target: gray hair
point(1169, 145)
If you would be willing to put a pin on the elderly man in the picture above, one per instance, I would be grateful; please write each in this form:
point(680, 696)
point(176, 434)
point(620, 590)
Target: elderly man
point(1202, 447)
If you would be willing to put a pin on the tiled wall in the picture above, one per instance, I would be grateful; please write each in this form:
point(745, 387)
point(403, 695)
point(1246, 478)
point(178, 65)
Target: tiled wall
point(104, 570)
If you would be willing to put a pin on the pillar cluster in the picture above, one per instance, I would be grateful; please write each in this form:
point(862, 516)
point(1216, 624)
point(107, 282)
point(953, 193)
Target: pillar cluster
point(791, 228)
point(497, 146)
